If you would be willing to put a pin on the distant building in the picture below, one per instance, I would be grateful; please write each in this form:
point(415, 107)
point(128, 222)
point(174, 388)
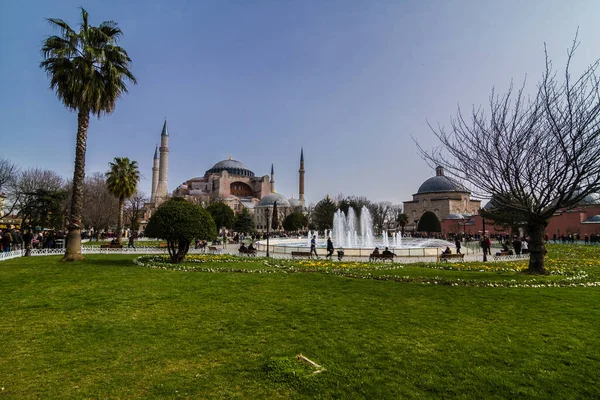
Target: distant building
point(581, 220)
point(444, 197)
point(228, 181)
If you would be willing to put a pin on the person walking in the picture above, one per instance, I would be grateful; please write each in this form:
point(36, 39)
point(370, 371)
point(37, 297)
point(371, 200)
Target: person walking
point(457, 244)
point(131, 240)
point(485, 245)
point(313, 246)
point(329, 248)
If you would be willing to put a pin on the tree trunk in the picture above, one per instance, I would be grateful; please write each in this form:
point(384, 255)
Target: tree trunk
point(73, 248)
point(537, 248)
point(120, 220)
point(184, 246)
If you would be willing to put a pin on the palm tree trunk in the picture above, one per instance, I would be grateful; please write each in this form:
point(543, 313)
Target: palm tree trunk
point(120, 221)
point(73, 250)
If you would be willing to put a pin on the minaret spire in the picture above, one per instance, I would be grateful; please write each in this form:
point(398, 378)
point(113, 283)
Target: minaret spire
point(155, 169)
point(165, 131)
point(162, 190)
point(301, 177)
point(272, 179)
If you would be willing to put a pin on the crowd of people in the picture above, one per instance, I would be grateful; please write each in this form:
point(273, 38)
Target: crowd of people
point(14, 239)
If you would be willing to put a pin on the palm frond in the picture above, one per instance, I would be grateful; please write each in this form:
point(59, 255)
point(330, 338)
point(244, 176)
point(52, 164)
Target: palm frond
point(87, 70)
point(84, 20)
point(64, 27)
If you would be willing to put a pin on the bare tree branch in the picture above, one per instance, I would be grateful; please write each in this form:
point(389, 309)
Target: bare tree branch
point(532, 154)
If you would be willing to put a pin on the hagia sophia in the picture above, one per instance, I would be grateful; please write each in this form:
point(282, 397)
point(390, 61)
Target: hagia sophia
point(229, 181)
point(233, 183)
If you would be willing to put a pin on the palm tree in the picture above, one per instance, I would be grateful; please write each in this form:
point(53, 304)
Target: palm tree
point(402, 220)
point(122, 180)
point(87, 70)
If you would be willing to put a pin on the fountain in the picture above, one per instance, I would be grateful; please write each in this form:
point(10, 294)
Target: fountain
point(346, 228)
point(354, 234)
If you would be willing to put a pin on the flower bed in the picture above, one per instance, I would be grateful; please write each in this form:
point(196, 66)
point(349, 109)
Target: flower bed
point(559, 276)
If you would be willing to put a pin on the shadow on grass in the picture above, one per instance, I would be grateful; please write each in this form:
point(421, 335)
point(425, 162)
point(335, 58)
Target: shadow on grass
point(108, 262)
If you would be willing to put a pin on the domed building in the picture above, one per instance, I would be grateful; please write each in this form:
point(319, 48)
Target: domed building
point(263, 212)
point(233, 183)
point(229, 181)
point(444, 197)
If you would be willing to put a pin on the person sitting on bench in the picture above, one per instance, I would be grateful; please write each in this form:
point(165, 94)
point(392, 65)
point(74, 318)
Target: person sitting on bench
point(375, 252)
point(251, 247)
point(447, 251)
point(387, 252)
point(243, 248)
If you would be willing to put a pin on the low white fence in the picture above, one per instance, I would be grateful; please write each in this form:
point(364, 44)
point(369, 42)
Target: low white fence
point(94, 250)
point(7, 255)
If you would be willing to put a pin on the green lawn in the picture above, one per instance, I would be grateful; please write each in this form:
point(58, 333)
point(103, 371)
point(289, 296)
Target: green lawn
point(108, 328)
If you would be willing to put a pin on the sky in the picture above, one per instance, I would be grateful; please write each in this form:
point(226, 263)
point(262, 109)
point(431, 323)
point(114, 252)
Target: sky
point(354, 83)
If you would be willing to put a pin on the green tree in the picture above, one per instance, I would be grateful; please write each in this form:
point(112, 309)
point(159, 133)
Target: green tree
point(179, 222)
point(295, 222)
point(42, 208)
point(356, 202)
point(222, 214)
point(88, 72)
point(275, 218)
point(244, 222)
point(122, 180)
point(429, 222)
point(322, 215)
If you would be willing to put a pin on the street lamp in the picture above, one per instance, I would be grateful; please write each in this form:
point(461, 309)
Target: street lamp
point(484, 247)
point(267, 212)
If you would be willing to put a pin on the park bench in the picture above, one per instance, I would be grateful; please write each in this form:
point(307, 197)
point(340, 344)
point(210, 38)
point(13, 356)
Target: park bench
point(111, 246)
point(301, 254)
point(449, 257)
point(213, 249)
point(248, 252)
point(383, 257)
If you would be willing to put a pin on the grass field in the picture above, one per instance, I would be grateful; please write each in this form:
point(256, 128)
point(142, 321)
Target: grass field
point(109, 328)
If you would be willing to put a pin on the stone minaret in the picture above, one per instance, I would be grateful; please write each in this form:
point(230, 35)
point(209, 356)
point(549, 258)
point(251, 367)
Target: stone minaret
point(155, 167)
point(162, 190)
point(272, 179)
point(301, 177)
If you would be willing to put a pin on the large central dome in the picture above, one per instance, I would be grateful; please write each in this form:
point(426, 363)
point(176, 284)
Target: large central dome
point(440, 183)
point(232, 167)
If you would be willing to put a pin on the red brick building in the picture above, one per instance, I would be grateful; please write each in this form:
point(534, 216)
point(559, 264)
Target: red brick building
point(582, 220)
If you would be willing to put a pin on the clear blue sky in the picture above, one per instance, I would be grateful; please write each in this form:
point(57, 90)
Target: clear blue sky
point(351, 81)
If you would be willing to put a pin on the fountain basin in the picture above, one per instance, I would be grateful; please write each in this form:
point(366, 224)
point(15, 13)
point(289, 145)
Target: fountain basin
point(411, 247)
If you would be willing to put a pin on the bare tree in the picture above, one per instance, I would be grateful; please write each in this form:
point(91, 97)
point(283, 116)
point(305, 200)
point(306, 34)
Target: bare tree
point(534, 155)
point(380, 212)
point(21, 189)
point(8, 173)
point(134, 209)
point(395, 211)
point(99, 205)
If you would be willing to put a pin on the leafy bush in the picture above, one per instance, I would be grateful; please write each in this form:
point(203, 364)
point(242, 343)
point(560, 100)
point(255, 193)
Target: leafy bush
point(179, 222)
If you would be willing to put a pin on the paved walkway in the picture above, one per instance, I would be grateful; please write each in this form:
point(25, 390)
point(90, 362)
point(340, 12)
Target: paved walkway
point(233, 250)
